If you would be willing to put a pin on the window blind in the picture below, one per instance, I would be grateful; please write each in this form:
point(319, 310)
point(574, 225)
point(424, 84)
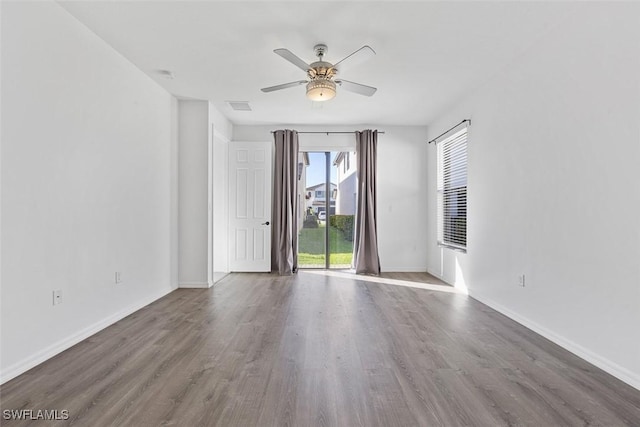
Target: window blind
point(452, 190)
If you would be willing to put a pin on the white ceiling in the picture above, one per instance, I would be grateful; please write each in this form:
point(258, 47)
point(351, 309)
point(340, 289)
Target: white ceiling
point(429, 54)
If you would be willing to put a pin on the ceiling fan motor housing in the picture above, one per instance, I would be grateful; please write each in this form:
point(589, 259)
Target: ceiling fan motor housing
point(321, 69)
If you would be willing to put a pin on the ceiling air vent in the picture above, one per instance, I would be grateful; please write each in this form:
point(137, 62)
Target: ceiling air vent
point(239, 105)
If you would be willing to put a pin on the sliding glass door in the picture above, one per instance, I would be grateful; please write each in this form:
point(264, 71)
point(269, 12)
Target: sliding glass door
point(327, 209)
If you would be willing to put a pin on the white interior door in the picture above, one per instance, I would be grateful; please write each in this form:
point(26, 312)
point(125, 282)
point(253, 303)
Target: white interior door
point(250, 206)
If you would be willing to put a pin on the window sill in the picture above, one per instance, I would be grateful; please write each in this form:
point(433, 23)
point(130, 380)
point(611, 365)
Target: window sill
point(453, 248)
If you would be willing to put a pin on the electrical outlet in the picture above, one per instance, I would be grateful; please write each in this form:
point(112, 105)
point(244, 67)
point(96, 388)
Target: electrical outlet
point(57, 297)
point(118, 277)
point(521, 280)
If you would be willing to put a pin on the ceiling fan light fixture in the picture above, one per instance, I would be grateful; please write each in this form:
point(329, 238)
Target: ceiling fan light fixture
point(321, 90)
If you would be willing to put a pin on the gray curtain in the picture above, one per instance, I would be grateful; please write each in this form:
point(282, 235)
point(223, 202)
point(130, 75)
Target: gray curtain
point(365, 250)
point(284, 231)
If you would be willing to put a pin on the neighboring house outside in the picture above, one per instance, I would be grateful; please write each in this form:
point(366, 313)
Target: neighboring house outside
point(346, 201)
point(303, 162)
point(316, 198)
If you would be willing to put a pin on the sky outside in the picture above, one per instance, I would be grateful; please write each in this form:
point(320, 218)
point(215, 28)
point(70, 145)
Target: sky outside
point(315, 170)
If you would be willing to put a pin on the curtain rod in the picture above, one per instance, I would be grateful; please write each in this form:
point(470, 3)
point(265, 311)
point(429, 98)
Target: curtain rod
point(382, 132)
point(450, 129)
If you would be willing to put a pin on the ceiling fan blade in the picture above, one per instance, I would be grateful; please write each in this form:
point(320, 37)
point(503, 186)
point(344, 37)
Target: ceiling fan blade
point(283, 86)
point(360, 55)
point(357, 87)
point(291, 57)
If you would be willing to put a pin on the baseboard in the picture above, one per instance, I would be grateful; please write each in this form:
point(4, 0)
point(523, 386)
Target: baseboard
point(606, 365)
point(62, 345)
point(195, 285)
point(404, 269)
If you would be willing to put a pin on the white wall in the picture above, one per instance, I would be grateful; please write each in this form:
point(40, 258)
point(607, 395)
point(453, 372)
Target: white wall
point(203, 143)
point(402, 204)
point(193, 192)
point(554, 189)
point(221, 124)
point(222, 133)
point(174, 202)
point(87, 185)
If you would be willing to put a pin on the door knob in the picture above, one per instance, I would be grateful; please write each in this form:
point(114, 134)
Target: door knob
point(265, 223)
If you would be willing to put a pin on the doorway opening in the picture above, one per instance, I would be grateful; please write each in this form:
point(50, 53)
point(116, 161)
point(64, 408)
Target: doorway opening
point(327, 197)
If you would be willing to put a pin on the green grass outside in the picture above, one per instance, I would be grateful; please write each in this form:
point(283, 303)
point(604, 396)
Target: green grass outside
point(311, 260)
point(311, 247)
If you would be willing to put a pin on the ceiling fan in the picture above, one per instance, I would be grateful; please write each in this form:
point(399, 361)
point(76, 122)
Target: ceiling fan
point(321, 75)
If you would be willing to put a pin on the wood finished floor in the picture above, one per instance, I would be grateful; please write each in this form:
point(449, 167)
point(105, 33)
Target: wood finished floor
point(315, 350)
